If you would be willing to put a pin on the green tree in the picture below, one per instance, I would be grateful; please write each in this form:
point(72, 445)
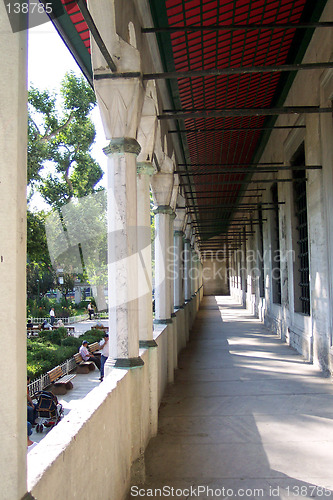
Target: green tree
point(40, 279)
point(66, 284)
point(60, 168)
point(60, 136)
point(37, 251)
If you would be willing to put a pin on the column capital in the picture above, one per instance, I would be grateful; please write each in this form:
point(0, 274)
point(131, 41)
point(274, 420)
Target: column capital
point(128, 363)
point(178, 233)
point(163, 209)
point(187, 240)
point(145, 167)
point(121, 145)
point(173, 216)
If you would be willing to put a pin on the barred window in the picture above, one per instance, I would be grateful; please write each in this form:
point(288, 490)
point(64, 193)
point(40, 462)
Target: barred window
point(275, 245)
point(301, 265)
point(261, 254)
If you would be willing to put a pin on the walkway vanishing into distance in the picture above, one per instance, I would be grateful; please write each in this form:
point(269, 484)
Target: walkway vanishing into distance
point(247, 417)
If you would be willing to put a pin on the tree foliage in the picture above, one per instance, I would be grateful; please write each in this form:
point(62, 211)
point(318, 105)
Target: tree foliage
point(60, 136)
point(61, 169)
point(37, 250)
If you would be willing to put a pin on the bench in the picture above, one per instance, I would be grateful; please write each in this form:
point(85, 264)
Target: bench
point(94, 347)
point(83, 366)
point(102, 328)
point(70, 330)
point(32, 332)
point(60, 383)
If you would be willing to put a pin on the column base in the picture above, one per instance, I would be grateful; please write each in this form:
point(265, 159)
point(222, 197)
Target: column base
point(128, 363)
point(146, 344)
point(162, 321)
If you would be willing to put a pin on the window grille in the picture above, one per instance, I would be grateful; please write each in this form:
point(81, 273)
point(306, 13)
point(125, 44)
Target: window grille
point(261, 254)
point(276, 268)
point(302, 258)
point(243, 260)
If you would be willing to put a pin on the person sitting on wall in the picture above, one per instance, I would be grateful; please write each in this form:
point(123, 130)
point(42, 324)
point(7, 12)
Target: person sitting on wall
point(46, 325)
point(87, 356)
point(59, 323)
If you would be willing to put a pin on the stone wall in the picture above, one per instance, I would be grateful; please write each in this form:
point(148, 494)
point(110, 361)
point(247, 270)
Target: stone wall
point(215, 280)
point(99, 446)
point(310, 334)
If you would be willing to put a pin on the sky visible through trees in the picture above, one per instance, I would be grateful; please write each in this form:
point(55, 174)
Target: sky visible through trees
point(48, 61)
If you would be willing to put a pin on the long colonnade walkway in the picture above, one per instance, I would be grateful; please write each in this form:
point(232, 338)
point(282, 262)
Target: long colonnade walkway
point(247, 417)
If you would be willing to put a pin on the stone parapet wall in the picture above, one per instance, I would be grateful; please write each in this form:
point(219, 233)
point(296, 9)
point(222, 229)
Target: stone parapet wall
point(99, 446)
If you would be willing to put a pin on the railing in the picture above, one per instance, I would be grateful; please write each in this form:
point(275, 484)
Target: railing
point(44, 381)
point(66, 321)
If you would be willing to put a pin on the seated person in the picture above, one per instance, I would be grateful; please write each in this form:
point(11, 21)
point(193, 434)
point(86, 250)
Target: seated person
point(30, 324)
point(46, 325)
point(30, 444)
point(87, 356)
point(31, 407)
point(60, 323)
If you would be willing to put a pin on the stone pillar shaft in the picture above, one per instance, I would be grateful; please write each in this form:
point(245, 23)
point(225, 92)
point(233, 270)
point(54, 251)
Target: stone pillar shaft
point(13, 186)
point(162, 285)
point(122, 251)
point(144, 251)
point(187, 264)
point(178, 269)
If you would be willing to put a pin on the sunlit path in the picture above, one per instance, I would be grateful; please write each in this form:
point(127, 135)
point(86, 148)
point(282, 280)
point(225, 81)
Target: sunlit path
point(246, 413)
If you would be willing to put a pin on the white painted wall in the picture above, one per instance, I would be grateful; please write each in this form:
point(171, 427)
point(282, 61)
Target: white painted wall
point(214, 275)
point(310, 335)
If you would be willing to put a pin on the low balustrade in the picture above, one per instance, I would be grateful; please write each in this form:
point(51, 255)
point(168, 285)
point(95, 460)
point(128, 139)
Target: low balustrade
point(43, 381)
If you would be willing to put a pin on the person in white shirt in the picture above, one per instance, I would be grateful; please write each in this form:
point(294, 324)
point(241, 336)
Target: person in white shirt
point(104, 344)
point(52, 316)
point(87, 356)
point(90, 310)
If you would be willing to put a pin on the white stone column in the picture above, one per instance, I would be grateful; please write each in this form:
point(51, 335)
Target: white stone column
point(162, 187)
point(162, 286)
point(179, 292)
point(145, 170)
point(178, 269)
point(179, 235)
point(122, 252)
point(13, 186)
point(187, 278)
point(171, 266)
point(193, 264)
point(187, 266)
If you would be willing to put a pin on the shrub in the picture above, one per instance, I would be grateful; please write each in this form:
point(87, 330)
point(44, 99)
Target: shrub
point(43, 355)
point(71, 341)
point(52, 348)
point(92, 336)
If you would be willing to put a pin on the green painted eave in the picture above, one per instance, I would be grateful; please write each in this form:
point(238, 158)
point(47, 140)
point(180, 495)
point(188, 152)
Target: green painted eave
point(72, 40)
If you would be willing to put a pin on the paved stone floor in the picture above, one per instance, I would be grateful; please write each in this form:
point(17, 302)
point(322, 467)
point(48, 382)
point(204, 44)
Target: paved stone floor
point(247, 417)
